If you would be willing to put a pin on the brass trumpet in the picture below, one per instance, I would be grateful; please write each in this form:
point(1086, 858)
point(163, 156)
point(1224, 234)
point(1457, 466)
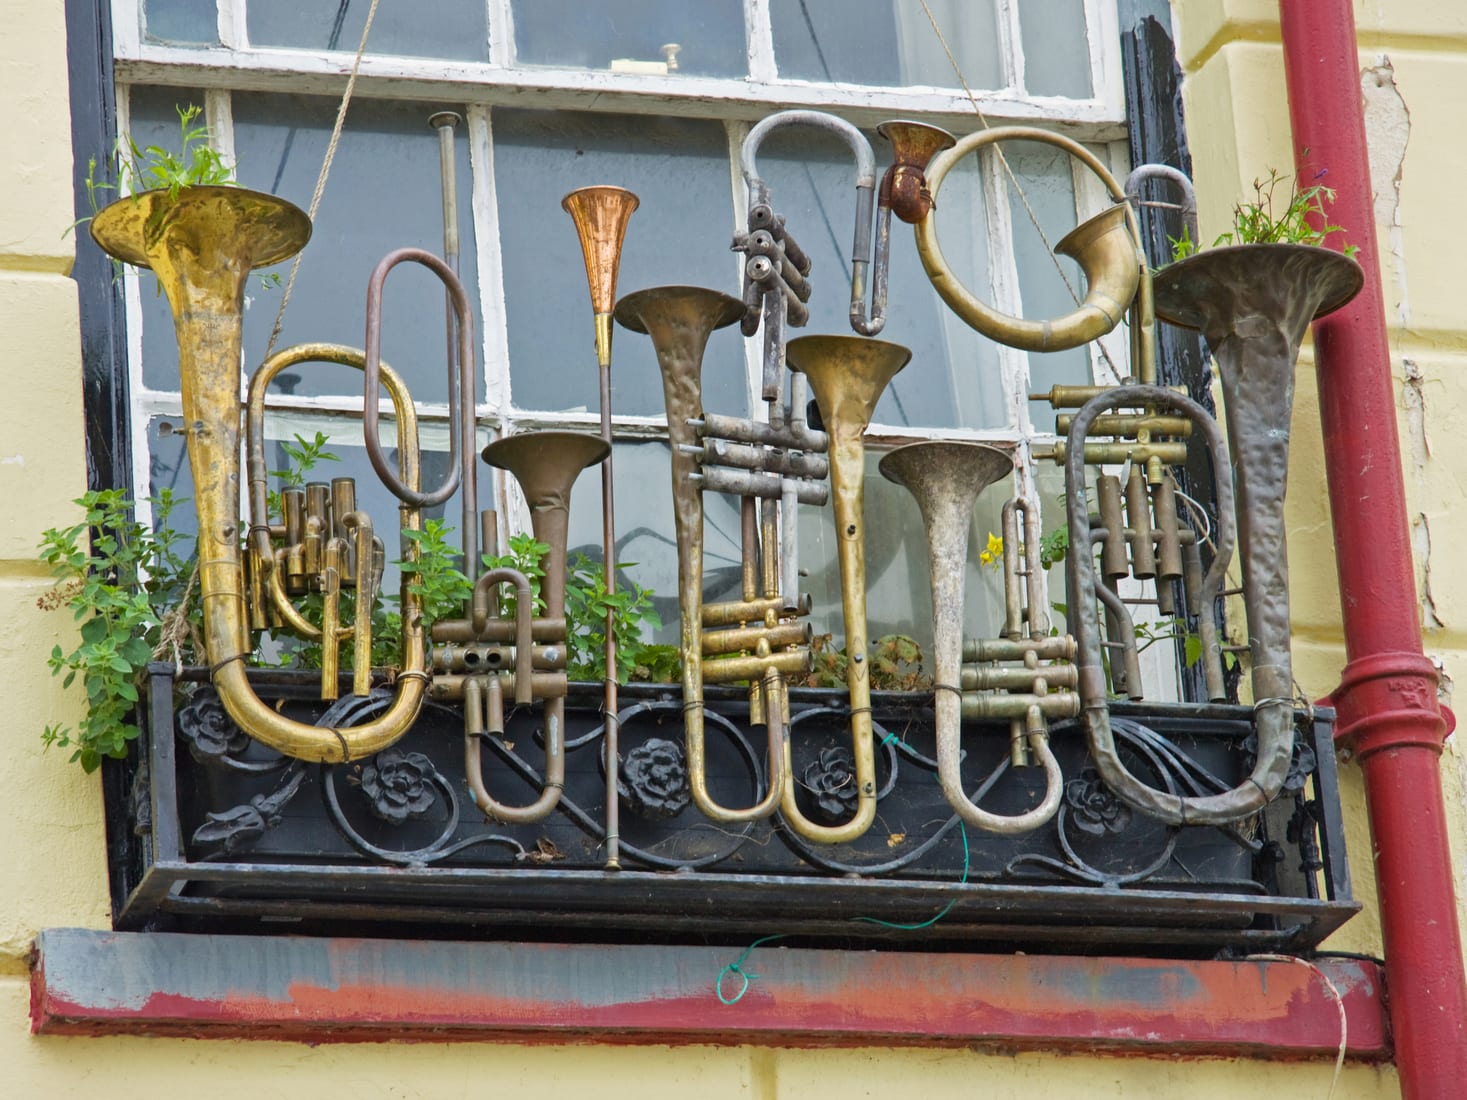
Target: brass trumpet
point(202, 244)
point(679, 320)
point(947, 478)
point(847, 375)
point(470, 656)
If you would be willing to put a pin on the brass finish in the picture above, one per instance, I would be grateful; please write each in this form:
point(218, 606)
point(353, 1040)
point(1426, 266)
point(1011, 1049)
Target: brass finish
point(947, 479)
point(847, 376)
point(679, 320)
point(600, 215)
point(202, 245)
point(546, 465)
point(1106, 247)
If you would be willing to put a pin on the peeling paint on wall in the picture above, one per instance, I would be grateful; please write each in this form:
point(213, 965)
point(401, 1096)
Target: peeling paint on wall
point(1413, 397)
point(1387, 130)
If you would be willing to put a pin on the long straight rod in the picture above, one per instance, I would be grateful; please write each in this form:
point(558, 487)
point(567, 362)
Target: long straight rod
point(608, 549)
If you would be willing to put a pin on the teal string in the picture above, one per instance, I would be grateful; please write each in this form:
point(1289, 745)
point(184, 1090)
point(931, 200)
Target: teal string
point(737, 966)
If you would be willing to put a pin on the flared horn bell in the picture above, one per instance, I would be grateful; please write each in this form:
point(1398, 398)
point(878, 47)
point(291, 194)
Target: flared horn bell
point(601, 215)
point(848, 375)
point(913, 145)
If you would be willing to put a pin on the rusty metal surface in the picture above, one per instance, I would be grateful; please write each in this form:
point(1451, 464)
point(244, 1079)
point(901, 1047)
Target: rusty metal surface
point(92, 983)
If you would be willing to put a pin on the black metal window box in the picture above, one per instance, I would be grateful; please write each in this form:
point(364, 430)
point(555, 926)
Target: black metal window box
point(212, 832)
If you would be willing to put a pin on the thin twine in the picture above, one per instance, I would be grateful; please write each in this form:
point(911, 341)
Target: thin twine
point(1009, 172)
point(1339, 1000)
point(351, 83)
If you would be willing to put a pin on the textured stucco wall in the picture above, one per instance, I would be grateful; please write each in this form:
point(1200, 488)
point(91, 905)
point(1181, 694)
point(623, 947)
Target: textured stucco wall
point(53, 873)
point(1413, 74)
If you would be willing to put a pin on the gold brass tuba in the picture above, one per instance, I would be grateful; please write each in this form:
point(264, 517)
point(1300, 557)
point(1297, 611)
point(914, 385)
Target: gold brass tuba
point(847, 374)
point(202, 244)
point(679, 319)
point(947, 478)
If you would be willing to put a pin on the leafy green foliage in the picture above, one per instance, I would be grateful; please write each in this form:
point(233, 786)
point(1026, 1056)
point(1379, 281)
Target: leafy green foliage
point(525, 555)
point(895, 664)
point(1292, 216)
point(120, 581)
point(587, 603)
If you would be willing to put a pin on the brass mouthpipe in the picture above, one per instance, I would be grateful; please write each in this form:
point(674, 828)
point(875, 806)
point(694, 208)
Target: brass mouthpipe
point(484, 657)
point(543, 630)
point(739, 638)
point(1112, 454)
point(1058, 647)
point(1073, 397)
point(751, 611)
point(1057, 705)
point(1012, 678)
point(732, 670)
point(1128, 424)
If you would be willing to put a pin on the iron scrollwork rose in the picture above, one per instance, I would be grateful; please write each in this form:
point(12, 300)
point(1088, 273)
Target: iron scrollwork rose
point(831, 779)
point(210, 732)
point(1094, 808)
point(654, 779)
point(399, 785)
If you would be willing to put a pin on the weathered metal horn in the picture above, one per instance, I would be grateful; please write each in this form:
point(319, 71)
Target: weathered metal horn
point(847, 374)
point(946, 478)
point(1105, 246)
point(202, 244)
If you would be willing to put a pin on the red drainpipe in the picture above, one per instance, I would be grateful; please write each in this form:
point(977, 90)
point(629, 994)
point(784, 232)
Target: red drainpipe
point(1388, 712)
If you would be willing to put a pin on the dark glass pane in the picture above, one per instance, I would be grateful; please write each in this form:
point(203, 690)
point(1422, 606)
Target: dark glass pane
point(953, 377)
point(632, 35)
point(889, 43)
point(456, 29)
point(181, 22)
point(679, 234)
point(384, 193)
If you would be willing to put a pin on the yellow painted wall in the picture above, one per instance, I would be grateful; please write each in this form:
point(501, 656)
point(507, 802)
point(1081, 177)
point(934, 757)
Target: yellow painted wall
point(53, 873)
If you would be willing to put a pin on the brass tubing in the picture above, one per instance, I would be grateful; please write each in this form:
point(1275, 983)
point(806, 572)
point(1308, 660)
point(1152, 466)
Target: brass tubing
point(202, 243)
point(1139, 531)
point(554, 781)
point(946, 479)
point(847, 376)
point(737, 614)
point(797, 436)
point(679, 321)
point(331, 619)
point(1013, 678)
point(731, 670)
point(485, 657)
point(449, 687)
point(749, 587)
point(1128, 424)
point(739, 638)
point(358, 528)
point(1113, 454)
point(1113, 542)
point(1058, 647)
point(524, 611)
point(543, 629)
point(983, 706)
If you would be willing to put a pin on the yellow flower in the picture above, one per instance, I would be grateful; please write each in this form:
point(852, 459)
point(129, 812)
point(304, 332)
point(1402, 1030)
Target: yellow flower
point(993, 554)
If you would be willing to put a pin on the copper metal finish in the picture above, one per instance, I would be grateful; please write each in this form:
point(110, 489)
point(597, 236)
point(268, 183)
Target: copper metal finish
point(947, 479)
point(679, 320)
point(202, 245)
point(847, 376)
point(546, 464)
point(904, 186)
point(601, 215)
point(1106, 247)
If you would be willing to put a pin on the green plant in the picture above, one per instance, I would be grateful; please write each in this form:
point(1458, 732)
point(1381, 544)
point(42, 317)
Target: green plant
point(1268, 219)
point(122, 582)
point(895, 664)
point(587, 603)
point(1052, 549)
point(526, 553)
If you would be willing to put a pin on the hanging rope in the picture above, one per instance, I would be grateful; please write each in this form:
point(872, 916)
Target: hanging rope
point(331, 146)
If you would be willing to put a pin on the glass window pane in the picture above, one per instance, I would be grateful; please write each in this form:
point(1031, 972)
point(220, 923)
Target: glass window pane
point(1049, 285)
point(953, 377)
point(181, 22)
point(898, 593)
point(456, 29)
point(1056, 51)
point(679, 234)
point(889, 43)
point(384, 193)
point(633, 35)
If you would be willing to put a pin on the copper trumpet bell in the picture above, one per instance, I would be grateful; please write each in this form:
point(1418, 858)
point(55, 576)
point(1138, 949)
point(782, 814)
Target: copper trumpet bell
point(913, 145)
point(601, 215)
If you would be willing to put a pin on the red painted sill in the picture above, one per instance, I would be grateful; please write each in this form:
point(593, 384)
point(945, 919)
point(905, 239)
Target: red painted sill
point(323, 990)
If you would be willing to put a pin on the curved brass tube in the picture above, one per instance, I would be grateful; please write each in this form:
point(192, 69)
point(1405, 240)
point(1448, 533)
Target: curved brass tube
point(202, 245)
point(1273, 715)
point(947, 479)
point(680, 319)
point(1107, 248)
point(847, 375)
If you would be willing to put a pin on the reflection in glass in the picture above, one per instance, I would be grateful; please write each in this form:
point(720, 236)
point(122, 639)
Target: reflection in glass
point(679, 234)
point(898, 596)
point(953, 378)
point(1056, 50)
point(454, 29)
point(572, 34)
point(1049, 285)
point(384, 194)
point(180, 22)
point(888, 43)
